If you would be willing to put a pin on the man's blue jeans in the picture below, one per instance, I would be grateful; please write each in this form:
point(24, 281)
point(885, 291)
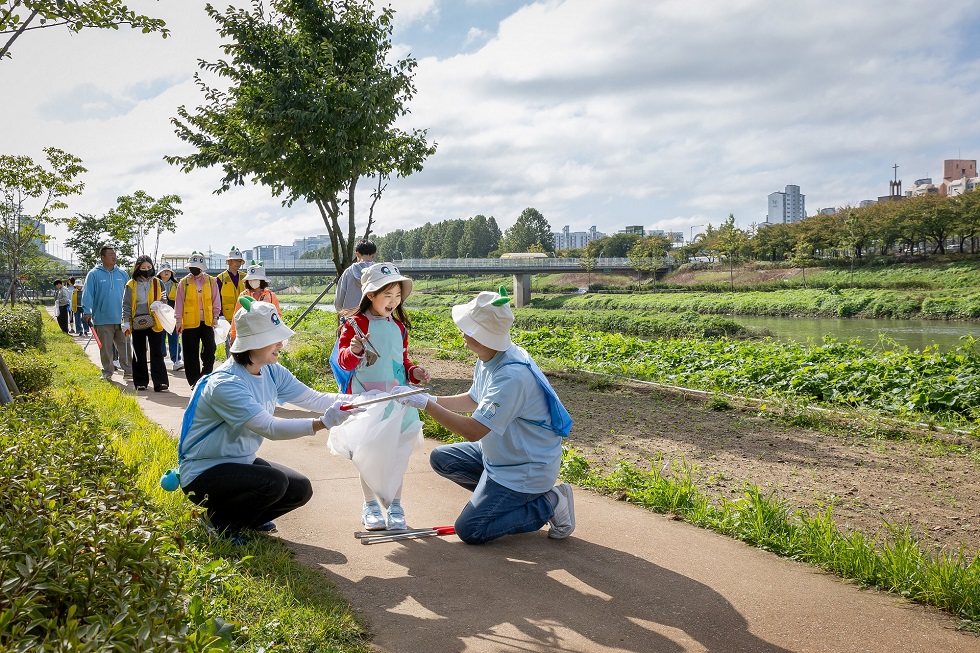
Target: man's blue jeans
point(493, 510)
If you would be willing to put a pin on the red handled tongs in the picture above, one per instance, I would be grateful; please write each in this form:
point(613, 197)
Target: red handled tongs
point(377, 537)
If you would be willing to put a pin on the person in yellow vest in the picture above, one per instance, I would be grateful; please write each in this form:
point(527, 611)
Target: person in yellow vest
point(198, 307)
point(257, 289)
point(140, 322)
point(76, 308)
point(166, 276)
point(231, 283)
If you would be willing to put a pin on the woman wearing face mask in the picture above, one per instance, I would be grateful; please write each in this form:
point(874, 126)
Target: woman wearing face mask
point(256, 287)
point(140, 322)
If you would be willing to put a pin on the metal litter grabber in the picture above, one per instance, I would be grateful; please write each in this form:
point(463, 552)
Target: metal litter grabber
point(393, 531)
point(410, 535)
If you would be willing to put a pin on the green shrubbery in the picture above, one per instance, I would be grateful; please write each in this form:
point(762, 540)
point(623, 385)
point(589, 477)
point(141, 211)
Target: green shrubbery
point(683, 325)
point(84, 564)
point(20, 328)
point(32, 371)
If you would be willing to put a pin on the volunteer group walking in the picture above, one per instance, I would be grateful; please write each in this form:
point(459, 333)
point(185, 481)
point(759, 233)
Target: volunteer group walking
point(143, 317)
point(511, 419)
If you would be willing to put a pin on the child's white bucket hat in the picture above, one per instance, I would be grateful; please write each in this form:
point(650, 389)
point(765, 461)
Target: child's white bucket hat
point(377, 276)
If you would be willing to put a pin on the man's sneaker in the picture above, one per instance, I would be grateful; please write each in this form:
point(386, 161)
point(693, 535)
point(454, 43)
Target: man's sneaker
point(396, 517)
point(563, 521)
point(372, 517)
point(268, 527)
point(238, 539)
point(116, 364)
point(179, 365)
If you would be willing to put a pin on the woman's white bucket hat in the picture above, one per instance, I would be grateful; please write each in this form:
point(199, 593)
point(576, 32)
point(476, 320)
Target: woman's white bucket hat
point(486, 319)
point(257, 325)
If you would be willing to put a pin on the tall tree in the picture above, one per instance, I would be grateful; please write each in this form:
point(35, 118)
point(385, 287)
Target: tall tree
point(530, 229)
point(148, 218)
point(21, 16)
point(312, 98)
point(89, 233)
point(31, 194)
point(732, 242)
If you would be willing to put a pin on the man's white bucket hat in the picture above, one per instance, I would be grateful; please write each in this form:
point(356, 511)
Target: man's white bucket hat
point(255, 271)
point(235, 255)
point(486, 319)
point(78, 283)
point(257, 325)
point(197, 260)
point(374, 277)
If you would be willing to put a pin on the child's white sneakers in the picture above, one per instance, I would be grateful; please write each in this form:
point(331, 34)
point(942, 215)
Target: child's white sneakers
point(372, 517)
point(396, 517)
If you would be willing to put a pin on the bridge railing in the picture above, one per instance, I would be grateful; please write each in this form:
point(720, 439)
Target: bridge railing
point(457, 263)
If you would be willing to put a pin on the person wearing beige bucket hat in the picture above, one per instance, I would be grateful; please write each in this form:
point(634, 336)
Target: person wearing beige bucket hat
point(371, 353)
point(229, 415)
point(514, 432)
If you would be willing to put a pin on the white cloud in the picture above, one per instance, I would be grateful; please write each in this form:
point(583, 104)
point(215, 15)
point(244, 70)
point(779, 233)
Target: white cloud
point(662, 113)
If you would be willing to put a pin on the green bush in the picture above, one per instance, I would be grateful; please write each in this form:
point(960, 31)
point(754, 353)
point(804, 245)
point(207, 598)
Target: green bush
point(32, 372)
point(20, 328)
point(84, 566)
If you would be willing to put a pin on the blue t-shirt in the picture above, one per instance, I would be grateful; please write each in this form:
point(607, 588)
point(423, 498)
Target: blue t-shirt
point(230, 397)
point(519, 455)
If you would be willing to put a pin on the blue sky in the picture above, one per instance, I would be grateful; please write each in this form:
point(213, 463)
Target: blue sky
point(666, 114)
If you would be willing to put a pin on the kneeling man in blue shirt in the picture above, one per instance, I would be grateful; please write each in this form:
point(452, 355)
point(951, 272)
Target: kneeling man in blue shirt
point(514, 435)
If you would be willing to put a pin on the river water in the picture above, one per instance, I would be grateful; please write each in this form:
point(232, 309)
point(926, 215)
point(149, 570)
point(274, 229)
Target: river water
point(914, 334)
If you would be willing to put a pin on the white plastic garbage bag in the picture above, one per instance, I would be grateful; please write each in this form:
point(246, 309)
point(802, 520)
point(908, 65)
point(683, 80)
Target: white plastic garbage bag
point(165, 313)
point(221, 330)
point(377, 446)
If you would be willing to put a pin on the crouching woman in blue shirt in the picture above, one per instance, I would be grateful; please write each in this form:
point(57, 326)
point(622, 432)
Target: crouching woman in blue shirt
point(513, 454)
point(230, 413)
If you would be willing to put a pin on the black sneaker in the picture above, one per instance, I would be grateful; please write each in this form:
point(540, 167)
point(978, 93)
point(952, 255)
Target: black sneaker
point(268, 527)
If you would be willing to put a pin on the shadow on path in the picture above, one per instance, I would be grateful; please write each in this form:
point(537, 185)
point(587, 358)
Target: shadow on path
point(529, 593)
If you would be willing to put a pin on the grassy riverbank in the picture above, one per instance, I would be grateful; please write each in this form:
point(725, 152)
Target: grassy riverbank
point(255, 597)
point(891, 558)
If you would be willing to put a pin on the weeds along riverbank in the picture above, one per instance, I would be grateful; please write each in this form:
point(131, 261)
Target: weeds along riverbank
point(95, 556)
point(894, 561)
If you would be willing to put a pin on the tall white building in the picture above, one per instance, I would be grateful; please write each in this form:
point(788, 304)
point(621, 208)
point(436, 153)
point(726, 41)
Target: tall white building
point(567, 239)
point(787, 206)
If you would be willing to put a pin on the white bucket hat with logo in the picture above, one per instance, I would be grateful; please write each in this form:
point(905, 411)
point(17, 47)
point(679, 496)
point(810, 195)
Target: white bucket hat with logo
point(377, 276)
point(255, 271)
point(257, 325)
point(79, 283)
point(235, 255)
point(486, 319)
point(197, 260)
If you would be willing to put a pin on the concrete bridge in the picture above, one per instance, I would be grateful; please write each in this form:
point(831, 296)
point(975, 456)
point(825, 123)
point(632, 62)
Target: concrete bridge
point(520, 268)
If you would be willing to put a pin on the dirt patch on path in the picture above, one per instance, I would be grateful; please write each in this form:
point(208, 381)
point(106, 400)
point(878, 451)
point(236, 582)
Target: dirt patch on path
point(867, 481)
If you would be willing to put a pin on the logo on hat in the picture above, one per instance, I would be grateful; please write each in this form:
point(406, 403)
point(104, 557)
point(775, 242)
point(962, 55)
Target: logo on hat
point(275, 318)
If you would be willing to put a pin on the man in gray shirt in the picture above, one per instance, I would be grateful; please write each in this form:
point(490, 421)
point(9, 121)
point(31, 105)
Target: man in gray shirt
point(348, 294)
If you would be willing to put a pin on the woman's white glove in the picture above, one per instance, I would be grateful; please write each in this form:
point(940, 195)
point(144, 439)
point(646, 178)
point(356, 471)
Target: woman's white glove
point(419, 401)
point(334, 416)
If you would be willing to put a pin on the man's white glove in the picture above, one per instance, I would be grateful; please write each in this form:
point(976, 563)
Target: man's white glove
point(420, 400)
point(334, 416)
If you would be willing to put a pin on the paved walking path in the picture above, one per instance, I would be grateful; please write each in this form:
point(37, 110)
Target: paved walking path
point(627, 581)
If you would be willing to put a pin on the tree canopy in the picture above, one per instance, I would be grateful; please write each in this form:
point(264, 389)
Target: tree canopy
point(531, 233)
point(31, 194)
point(21, 16)
point(312, 99)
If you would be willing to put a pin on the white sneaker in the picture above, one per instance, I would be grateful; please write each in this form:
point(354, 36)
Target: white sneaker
point(372, 517)
point(396, 517)
point(563, 521)
point(116, 364)
point(179, 365)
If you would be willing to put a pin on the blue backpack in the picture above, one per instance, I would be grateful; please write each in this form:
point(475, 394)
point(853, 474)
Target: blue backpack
point(560, 421)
